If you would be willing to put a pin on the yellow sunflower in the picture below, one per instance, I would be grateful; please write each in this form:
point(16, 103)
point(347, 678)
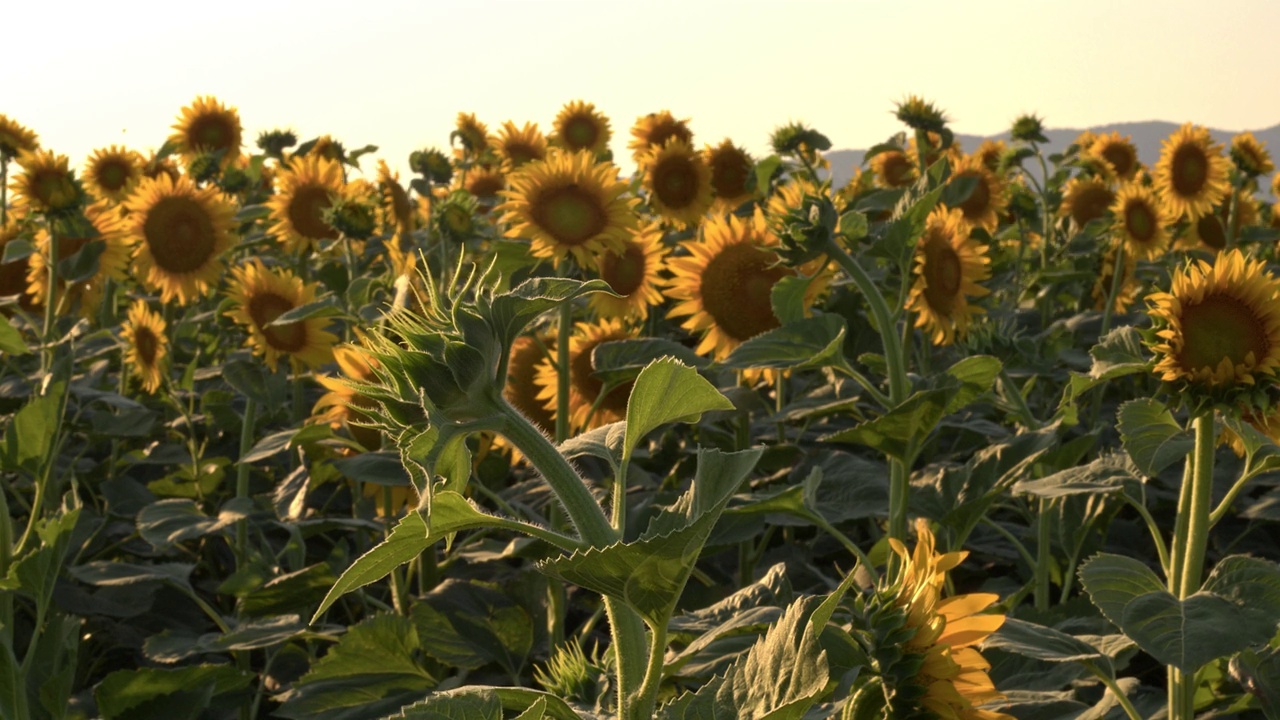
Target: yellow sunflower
point(527, 354)
point(397, 208)
point(1140, 222)
point(46, 183)
point(1210, 231)
point(208, 126)
point(146, 345)
point(934, 151)
point(1192, 173)
point(954, 673)
point(1267, 423)
point(989, 153)
point(1119, 152)
point(949, 264)
point(730, 175)
point(342, 406)
point(303, 192)
point(579, 126)
point(1086, 198)
point(181, 232)
point(1129, 288)
point(518, 146)
point(678, 181)
point(261, 295)
point(633, 273)
point(1085, 139)
point(893, 169)
point(485, 182)
point(111, 173)
point(987, 201)
point(113, 262)
point(473, 134)
point(1250, 155)
point(156, 166)
point(654, 130)
point(724, 283)
point(15, 139)
point(568, 203)
point(1219, 323)
point(588, 409)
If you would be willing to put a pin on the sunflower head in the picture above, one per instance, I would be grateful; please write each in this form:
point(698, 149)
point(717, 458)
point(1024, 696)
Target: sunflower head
point(730, 175)
point(275, 142)
point(987, 200)
point(15, 139)
point(46, 184)
point(260, 295)
point(343, 406)
point(157, 165)
point(989, 153)
point(635, 273)
point(180, 232)
point(893, 168)
point(1140, 222)
point(103, 227)
point(654, 130)
point(1119, 152)
point(919, 114)
point(472, 134)
point(579, 126)
point(397, 208)
point(146, 345)
point(1086, 198)
point(306, 188)
point(519, 145)
point(1129, 287)
point(591, 404)
point(1219, 325)
point(1028, 128)
point(208, 126)
point(432, 165)
point(800, 140)
point(948, 266)
point(521, 389)
point(678, 181)
point(1192, 173)
point(1250, 155)
point(485, 182)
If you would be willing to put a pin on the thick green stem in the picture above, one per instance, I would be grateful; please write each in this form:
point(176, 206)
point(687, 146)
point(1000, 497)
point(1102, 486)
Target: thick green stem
point(646, 699)
point(51, 298)
point(242, 478)
point(563, 332)
point(1117, 280)
point(1191, 542)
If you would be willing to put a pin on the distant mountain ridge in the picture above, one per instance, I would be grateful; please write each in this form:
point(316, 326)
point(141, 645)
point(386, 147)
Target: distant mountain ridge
point(1146, 136)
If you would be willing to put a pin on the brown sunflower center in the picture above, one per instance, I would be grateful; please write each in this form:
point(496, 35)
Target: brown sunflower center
point(580, 132)
point(1210, 231)
point(213, 131)
point(1140, 221)
point(1190, 170)
point(624, 271)
point(146, 343)
point(13, 276)
point(729, 173)
point(675, 182)
point(659, 135)
point(897, 170)
point(112, 174)
point(1091, 203)
point(521, 390)
point(1121, 158)
point(942, 273)
point(52, 187)
point(485, 184)
point(179, 234)
point(264, 308)
point(584, 380)
point(736, 287)
point(306, 212)
point(520, 152)
point(979, 201)
point(571, 214)
point(1221, 327)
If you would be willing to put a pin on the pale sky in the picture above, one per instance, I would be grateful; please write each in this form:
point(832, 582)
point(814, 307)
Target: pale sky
point(395, 74)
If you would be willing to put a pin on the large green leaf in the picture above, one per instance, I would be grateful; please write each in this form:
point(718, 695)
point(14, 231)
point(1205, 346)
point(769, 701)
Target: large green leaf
point(31, 432)
point(11, 341)
point(512, 311)
point(814, 342)
point(968, 379)
point(125, 693)
point(471, 625)
point(893, 432)
point(252, 634)
point(604, 442)
point(1151, 436)
point(168, 522)
point(1118, 353)
point(618, 361)
point(478, 702)
point(666, 391)
point(1106, 474)
point(1045, 643)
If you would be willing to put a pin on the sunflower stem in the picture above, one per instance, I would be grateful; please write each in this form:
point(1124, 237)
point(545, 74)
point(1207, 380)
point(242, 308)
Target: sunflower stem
point(51, 299)
point(1117, 280)
point(563, 331)
point(1191, 542)
point(242, 478)
point(4, 189)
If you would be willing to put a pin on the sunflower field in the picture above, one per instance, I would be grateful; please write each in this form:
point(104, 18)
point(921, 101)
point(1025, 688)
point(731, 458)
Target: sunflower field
point(985, 433)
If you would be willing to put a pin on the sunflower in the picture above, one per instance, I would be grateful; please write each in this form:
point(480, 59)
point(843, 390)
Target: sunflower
point(146, 345)
point(633, 273)
point(397, 208)
point(1219, 323)
point(678, 181)
point(730, 175)
point(13, 276)
point(568, 203)
point(518, 146)
point(261, 295)
point(15, 139)
point(1119, 152)
point(579, 126)
point(303, 192)
point(934, 151)
point(113, 261)
point(724, 283)
point(1086, 198)
point(181, 232)
point(588, 409)
point(343, 406)
point(654, 130)
point(473, 134)
point(1129, 288)
point(1192, 173)
point(893, 169)
point(990, 152)
point(1250, 155)
point(983, 206)
point(948, 266)
point(156, 166)
point(208, 126)
point(1140, 222)
point(46, 183)
point(953, 673)
point(111, 173)
point(1085, 139)
point(1267, 423)
point(1210, 231)
point(485, 182)
point(521, 389)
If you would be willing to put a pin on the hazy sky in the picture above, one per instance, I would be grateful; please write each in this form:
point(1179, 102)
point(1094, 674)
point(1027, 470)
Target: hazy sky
point(395, 73)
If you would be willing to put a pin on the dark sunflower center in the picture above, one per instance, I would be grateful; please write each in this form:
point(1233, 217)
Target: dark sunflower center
point(897, 170)
point(265, 308)
point(979, 201)
point(68, 246)
point(212, 131)
point(664, 132)
point(1091, 204)
point(1190, 170)
point(179, 234)
point(521, 153)
point(570, 214)
point(485, 185)
point(146, 343)
point(624, 272)
point(1121, 158)
point(736, 287)
point(1209, 229)
point(943, 274)
point(51, 187)
point(729, 173)
point(113, 175)
point(675, 182)
point(583, 377)
point(1140, 221)
point(580, 133)
point(306, 212)
point(1221, 327)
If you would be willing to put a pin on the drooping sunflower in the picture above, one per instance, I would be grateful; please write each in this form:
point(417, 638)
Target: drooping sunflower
point(343, 407)
point(1219, 324)
point(261, 295)
point(1192, 173)
point(111, 173)
point(518, 146)
point(730, 173)
point(180, 233)
point(588, 409)
point(723, 284)
point(1209, 232)
point(654, 130)
point(1140, 222)
point(947, 630)
point(113, 261)
point(634, 273)
point(989, 152)
point(485, 182)
point(473, 134)
point(155, 166)
point(1086, 198)
point(397, 208)
point(303, 192)
point(15, 139)
point(678, 181)
point(146, 345)
point(46, 183)
point(987, 201)
point(948, 267)
point(208, 126)
point(1129, 287)
point(1250, 155)
point(1085, 139)
point(568, 204)
point(1119, 151)
point(893, 169)
point(579, 126)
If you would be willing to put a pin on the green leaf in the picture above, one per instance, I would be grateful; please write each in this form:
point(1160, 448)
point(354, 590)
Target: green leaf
point(604, 442)
point(294, 592)
point(13, 695)
point(472, 625)
point(460, 704)
point(36, 573)
point(532, 704)
point(814, 342)
point(1045, 643)
point(168, 522)
point(253, 634)
point(787, 298)
point(380, 468)
point(122, 693)
point(30, 434)
point(326, 307)
point(11, 341)
point(1107, 474)
point(972, 377)
point(618, 361)
point(16, 250)
point(764, 172)
point(1259, 673)
point(83, 263)
point(512, 311)
point(893, 432)
point(1151, 436)
point(107, 573)
point(250, 379)
point(667, 391)
point(1118, 353)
